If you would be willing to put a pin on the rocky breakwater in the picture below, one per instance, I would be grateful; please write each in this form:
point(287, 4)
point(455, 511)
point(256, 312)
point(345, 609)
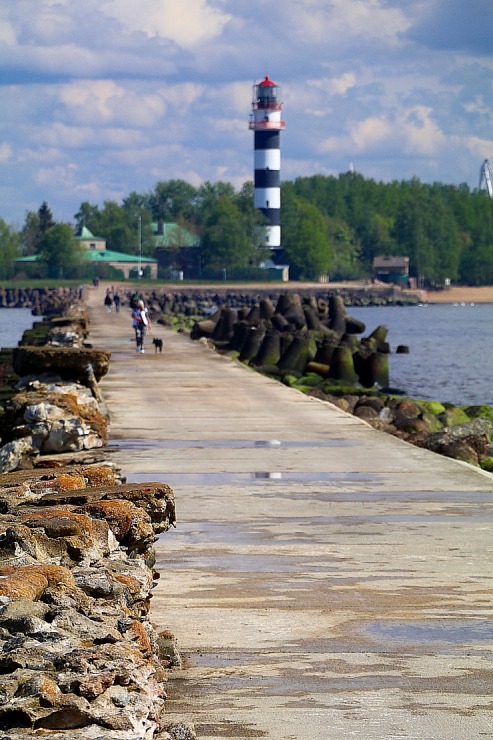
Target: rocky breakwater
point(55, 405)
point(311, 345)
point(42, 301)
point(299, 335)
point(180, 309)
point(79, 655)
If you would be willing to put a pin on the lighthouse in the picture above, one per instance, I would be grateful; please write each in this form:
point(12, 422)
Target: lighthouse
point(266, 123)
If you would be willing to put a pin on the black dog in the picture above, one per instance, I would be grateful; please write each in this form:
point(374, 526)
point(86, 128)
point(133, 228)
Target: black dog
point(158, 344)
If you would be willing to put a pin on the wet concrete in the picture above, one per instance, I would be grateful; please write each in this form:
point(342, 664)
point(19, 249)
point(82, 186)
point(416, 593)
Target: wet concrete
point(325, 580)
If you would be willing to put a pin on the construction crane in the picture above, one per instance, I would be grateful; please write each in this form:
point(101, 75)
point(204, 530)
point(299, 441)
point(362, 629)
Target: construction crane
point(486, 178)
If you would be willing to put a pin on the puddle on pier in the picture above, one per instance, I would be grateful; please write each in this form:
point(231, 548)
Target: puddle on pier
point(137, 443)
point(223, 479)
point(452, 631)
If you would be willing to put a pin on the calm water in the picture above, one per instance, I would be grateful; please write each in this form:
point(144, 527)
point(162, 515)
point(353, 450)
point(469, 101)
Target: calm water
point(451, 347)
point(13, 323)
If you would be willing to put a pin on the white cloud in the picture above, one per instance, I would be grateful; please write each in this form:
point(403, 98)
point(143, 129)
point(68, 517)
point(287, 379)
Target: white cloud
point(181, 97)
point(479, 107)
point(5, 151)
point(480, 148)
point(339, 20)
point(412, 133)
point(188, 23)
point(95, 97)
point(335, 85)
point(370, 132)
point(86, 137)
point(7, 32)
point(106, 102)
point(421, 134)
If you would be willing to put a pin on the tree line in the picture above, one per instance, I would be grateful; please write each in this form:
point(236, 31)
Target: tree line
point(329, 225)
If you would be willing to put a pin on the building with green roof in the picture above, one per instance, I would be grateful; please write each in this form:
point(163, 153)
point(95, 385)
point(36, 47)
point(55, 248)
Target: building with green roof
point(177, 250)
point(94, 252)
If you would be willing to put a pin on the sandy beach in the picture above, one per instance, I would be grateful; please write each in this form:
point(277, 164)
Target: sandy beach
point(483, 294)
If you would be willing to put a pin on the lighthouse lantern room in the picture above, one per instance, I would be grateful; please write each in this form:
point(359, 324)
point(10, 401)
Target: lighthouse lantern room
point(266, 123)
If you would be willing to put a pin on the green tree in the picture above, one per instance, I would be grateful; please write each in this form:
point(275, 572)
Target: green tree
point(45, 218)
point(254, 219)
point(171, 200)
point(88, 215)
point(35, 226)
point(445, 240)
point(139, 220)
point(412, 235)
point(9, 250)
point(29, 235)
point(119, 225)
point(304, 237)
point(477, 265)
point(225, 240)
point(60, 250)
point(208, 195)
point(345, 248)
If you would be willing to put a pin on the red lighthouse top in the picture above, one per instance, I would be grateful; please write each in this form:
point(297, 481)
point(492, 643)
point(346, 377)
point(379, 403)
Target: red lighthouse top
point(268, 82)
point(265, 95)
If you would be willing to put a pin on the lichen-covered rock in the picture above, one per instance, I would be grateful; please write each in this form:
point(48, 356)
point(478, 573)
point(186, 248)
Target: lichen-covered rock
point(468, 442)
point(69, 363)
point(78, 655)
point(54, 418)
point(452, 415)
point(180, 731)
point(30, 581)
point(17, 453)
point(156, 499)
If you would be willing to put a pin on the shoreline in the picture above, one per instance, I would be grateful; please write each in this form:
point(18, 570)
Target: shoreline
point(482, 294)
point(454, 294)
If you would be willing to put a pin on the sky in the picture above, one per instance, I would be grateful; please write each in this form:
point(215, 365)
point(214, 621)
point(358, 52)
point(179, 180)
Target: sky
point(102, 98)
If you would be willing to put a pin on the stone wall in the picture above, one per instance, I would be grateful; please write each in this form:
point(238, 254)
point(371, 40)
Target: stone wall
point(80, 657)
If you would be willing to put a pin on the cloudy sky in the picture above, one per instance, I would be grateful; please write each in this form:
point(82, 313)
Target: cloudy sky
point(104, 97)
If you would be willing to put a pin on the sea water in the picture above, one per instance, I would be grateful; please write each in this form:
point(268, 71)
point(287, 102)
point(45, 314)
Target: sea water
point(13, 324)
point(450, 349)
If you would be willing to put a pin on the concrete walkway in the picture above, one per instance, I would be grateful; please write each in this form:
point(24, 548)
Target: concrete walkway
point(325, 580)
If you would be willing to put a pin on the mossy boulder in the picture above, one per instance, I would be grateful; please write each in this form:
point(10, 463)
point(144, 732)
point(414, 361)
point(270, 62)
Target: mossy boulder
point(271, 370)
point(311, 380)
point(475, 412)
point(290, 379)
point(432, 423)
point(432, 407)
point(335, 388)
point(452, 416)
point(318, 368)
point(487, 464)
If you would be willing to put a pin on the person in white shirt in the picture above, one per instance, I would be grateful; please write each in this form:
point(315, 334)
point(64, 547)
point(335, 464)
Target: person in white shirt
point(140, 322)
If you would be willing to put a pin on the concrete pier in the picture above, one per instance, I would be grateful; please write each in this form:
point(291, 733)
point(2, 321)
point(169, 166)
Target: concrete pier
point(325, 580)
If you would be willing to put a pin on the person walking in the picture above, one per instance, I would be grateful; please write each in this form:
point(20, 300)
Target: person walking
point(140, 322)
point(117, 301)
point(108, 300)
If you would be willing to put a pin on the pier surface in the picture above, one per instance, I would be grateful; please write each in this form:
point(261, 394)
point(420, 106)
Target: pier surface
point(325, 580)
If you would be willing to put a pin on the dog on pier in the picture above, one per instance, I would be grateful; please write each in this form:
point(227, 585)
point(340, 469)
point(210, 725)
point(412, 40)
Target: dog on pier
point(158, 345)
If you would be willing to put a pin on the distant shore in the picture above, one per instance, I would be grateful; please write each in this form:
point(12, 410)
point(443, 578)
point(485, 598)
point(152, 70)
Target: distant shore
point(454, 294)
point(483, 294)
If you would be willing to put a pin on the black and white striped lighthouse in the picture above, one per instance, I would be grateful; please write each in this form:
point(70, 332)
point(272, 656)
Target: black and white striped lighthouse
point(266, 123)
